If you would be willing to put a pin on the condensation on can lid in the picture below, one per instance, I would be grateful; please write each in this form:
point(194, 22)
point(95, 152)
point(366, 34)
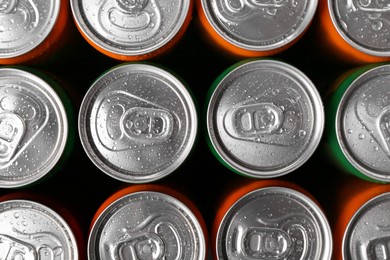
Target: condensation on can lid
point(364, 25)
point(265, 118)
point(368, 233)
point(259, 25)
point(274, 223)
point(363, 123)
point(137, 123)
point(130, 28)
point(33, 128)
point(151, 225)
point(30, 230)
point(25, 24)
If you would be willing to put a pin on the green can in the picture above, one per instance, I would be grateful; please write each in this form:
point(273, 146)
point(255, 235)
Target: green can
point(35, 118)
point(265, 118)
point(358, 122)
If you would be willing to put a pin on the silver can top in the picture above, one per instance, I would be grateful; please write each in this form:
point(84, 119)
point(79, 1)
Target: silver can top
point(259, 25)
point(367, 234)
point(148, 225)
point(265, 118)
point(363, 24)
point(137, 123)
point(274, 223)
point(30, 230)
point(25, 24)
point(363, 123)
point(33, 128)
point(133, 27)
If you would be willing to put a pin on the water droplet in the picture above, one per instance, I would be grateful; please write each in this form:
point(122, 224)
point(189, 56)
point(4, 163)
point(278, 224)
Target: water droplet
point(362, 136)
point(16, 215)
point(350, 131)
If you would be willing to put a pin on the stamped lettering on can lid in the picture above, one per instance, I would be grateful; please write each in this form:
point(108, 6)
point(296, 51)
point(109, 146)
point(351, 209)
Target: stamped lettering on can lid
point(138, 123)
point(368, 233)
point(24, 24)
point(363, 126)
point(265, 118)
point(274, 223)
point(147, 225)
point(33, 128)
point(32, 231)
point(257, 24)
point(364, 24)
point(131, 27)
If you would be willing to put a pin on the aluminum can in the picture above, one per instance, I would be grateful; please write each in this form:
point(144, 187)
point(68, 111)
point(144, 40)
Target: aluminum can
point(31, 230)
point(358, 136)
point(32, 31)
point(253, 28)
point(265, 118)
point(137, 122)
point(354, 31)
point(132, 30)
point(147, 222)
point(270, 219)
point(361, 220)
point(34, 127)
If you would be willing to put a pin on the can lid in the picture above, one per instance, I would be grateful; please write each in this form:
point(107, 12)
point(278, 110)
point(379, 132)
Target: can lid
point(265, 118)
point(25, 24)
point(33, 128)
point(137, 123)
point(363, 123)
point(257, 25)
point(362, 24)
point(274, 223)
point(367, 234)
point(130, 28)
point(150, 225)
point(30, 230)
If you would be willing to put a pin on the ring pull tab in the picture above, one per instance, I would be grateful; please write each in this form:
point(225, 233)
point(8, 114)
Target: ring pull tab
point(12, 130)
point(384, 129)
point(146, 246)
point(11, 248)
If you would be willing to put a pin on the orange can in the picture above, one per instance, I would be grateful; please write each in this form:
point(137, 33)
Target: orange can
point(270, 219)
point(361, 223)
point(132, 30)
point(252, 28)
point(33, 31)
point(354, 31)
point(149, 221)
point(36, 227)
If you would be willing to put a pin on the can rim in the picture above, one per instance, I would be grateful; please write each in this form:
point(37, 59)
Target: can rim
point(101, 219)
point(318, 126)
point(46, 89)
point(96, 39)
point(58, 219)
point(250, 47)
point(369, 172)
point(321, 220)
point(356, 45)
point(84, 132)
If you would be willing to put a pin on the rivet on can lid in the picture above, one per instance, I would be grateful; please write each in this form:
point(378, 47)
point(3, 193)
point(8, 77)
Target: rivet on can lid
point(274, 223)
point(151, 225)
point(33, 128)
point(30, 230)
point(363, 123)
point(265, 118)
point(137, 123)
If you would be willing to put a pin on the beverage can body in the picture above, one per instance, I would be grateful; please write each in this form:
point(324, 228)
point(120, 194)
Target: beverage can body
point(254, 28)
point(270, 219)
point(264, 117)
point(138, 123)
point(132, 30)
point(357, 122)
point(34, 127)
point(149, 221)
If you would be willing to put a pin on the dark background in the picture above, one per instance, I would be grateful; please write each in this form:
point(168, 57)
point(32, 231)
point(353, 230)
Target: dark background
point(81, 188)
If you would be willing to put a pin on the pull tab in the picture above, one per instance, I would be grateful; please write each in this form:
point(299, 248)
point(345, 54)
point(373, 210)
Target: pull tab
point(12, 129)
point(379, 248)
point(7, 6)
point(143, 247)
point(147, 125)
point(11, 249)
point(384, 129)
